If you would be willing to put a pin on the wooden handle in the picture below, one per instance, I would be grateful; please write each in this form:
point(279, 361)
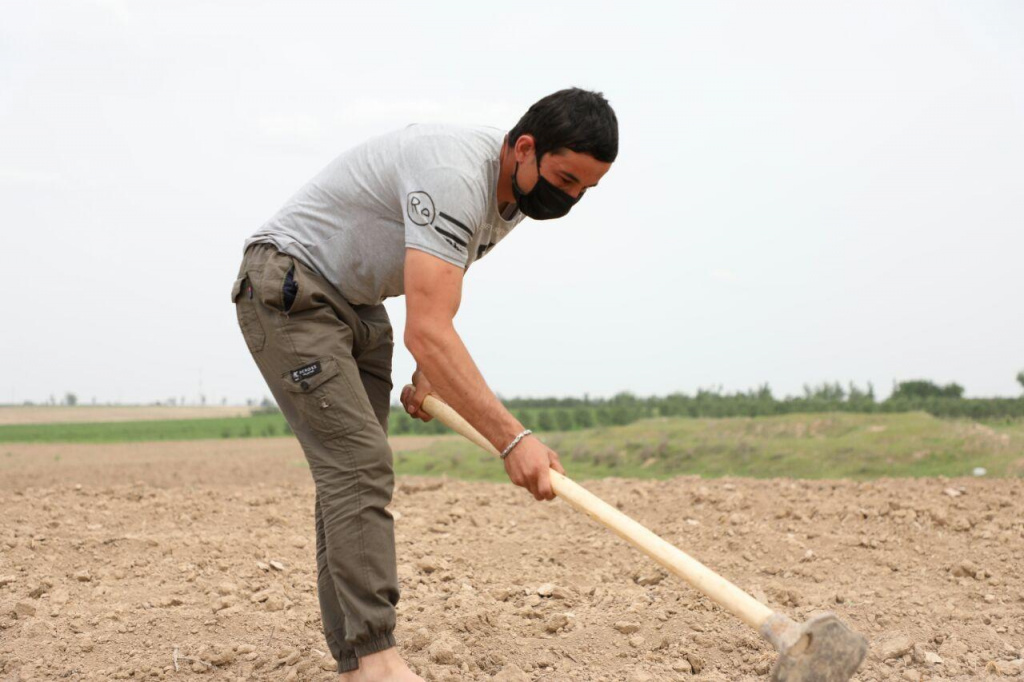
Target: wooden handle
point(675, 560)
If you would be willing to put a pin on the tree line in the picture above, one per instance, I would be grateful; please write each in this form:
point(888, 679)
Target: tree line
point(570, 414)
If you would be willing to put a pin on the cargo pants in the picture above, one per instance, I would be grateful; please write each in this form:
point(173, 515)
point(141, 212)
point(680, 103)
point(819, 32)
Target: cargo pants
point(328, 365)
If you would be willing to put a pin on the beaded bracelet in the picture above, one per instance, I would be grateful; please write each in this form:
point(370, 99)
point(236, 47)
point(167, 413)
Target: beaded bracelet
point(505, 453)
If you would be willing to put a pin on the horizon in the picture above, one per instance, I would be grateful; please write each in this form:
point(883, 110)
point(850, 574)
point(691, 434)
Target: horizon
point(197, 401)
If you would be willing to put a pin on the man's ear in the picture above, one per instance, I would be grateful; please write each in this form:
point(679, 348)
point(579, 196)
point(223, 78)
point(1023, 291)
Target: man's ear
point(524, 147)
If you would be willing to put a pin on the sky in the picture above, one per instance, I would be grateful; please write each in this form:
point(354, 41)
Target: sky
point(805, 191)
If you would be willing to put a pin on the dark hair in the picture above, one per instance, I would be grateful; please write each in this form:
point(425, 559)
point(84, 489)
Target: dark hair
point(575, 119)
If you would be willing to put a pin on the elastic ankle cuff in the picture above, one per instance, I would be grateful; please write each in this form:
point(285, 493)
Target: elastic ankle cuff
point(372, 646)
point(346, 658)
point(347, 664)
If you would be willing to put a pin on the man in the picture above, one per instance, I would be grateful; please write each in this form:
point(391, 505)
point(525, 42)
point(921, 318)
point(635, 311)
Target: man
point(404, 213)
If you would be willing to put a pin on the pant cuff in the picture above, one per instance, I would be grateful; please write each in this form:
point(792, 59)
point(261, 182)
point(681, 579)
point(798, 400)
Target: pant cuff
point(348, 663)
point(342, 652)
point(372, 646)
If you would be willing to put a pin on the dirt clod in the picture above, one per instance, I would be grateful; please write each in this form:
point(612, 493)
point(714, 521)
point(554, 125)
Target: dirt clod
point(894, 647)
point(442, 651)
point(682, 666)
point(511, 673)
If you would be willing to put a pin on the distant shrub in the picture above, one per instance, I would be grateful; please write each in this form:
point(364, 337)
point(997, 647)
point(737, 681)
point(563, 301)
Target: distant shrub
point(565, 420)
point(583, 417)
point(925, 389)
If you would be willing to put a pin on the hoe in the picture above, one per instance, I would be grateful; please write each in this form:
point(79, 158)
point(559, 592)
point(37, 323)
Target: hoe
point(822, 649)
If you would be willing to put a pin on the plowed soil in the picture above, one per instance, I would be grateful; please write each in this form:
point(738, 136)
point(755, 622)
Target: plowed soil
point(193, 560)
point(105, 413)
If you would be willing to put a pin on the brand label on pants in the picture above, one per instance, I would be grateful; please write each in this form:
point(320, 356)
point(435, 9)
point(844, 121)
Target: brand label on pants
point(306, 372)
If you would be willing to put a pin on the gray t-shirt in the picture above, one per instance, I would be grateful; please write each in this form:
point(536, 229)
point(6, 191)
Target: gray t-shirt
point(426, 187)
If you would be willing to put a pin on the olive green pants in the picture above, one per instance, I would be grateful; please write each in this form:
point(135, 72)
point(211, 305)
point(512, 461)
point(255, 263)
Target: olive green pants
point(328, 365)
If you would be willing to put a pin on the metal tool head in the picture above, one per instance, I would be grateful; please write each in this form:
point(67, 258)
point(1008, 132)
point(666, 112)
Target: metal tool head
point(821, 650)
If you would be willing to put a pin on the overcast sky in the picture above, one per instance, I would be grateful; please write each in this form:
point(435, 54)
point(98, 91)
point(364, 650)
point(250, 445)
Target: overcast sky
point(804, 192)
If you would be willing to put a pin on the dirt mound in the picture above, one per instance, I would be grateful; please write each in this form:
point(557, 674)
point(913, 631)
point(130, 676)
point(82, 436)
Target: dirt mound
point(217, 578)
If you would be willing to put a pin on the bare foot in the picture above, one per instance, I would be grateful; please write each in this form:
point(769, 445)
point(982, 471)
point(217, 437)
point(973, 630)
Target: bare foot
point(383, 666)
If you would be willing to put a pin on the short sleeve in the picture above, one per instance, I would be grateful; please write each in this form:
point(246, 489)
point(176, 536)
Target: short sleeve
point(442, 208)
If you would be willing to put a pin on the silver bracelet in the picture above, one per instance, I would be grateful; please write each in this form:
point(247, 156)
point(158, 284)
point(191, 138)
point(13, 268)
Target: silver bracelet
point(505, 453)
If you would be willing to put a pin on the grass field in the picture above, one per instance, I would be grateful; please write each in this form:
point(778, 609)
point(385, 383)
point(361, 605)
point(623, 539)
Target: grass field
point(803, 446)
point(255, 426)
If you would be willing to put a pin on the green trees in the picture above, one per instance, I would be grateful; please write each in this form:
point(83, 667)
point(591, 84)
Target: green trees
point(546, 421)
point(1020, 378)
point(829, 392)
point(564, 419)
point(570, 414)
point(926, 389)
point(582, 418)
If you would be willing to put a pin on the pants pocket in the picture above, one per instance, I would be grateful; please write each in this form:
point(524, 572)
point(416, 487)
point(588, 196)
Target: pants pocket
point(248, 319)
point(290, 289)
point(326, 399)
point(278, 286)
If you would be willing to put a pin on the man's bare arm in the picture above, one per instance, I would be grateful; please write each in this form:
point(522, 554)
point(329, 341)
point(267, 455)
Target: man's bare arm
point(433, 292)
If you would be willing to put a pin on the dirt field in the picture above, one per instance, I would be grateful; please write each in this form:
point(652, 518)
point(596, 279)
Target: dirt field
point(114, 558)
point(88, 413)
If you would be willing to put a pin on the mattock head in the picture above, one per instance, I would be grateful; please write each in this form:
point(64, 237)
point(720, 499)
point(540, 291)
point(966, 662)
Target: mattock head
point(825, 650)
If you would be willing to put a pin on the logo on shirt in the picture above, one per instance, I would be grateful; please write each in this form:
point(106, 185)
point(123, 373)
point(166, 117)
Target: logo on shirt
point(420, 208)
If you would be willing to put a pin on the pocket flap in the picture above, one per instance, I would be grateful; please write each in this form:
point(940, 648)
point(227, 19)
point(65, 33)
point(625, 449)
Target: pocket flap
point(236, 289)
point(307, 377)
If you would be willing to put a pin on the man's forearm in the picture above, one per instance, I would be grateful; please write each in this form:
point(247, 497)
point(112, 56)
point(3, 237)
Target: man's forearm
point(448, 366)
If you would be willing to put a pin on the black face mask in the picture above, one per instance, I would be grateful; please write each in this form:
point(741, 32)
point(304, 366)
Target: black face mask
point(544, 201)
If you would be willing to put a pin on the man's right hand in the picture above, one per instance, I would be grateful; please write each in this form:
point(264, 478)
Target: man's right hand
point(528, 464)
point(413, 395)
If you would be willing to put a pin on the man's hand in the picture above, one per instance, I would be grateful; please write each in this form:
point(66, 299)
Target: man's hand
point(413, 395)
point(527, 466)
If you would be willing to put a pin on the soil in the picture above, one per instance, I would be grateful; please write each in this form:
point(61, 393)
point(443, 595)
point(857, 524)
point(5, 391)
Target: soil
point(121, 562)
